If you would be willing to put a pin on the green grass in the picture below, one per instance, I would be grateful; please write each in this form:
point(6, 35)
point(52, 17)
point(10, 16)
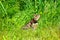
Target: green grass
point(14, 14)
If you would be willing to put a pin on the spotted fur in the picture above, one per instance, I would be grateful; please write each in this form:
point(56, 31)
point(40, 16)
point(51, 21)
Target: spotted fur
point(33, 23)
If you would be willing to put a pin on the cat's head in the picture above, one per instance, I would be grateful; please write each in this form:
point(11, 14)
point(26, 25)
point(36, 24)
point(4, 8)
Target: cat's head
point(36, 16)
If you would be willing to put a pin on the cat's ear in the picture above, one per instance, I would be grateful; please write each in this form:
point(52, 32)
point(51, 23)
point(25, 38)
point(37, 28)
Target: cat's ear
point(35, 15)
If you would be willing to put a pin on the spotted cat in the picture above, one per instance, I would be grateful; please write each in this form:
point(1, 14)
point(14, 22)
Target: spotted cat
point(33, 23)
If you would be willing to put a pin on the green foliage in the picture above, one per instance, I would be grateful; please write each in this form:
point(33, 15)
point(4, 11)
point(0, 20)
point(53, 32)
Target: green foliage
point(14, 14)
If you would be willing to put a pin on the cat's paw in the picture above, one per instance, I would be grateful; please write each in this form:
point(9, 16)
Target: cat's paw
point(34, 25)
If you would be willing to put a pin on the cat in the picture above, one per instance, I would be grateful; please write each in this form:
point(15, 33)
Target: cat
point(33, 23)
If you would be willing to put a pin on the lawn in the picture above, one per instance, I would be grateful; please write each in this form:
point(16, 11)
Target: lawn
point(14, 14)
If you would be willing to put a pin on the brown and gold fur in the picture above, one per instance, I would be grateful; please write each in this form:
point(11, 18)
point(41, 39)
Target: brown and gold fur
point(33, 23)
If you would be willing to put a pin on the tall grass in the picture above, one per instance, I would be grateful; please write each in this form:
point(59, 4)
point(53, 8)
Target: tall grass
point(14, 14)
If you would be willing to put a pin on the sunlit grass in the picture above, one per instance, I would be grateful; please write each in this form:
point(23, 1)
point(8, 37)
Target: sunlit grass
point(44, 33)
